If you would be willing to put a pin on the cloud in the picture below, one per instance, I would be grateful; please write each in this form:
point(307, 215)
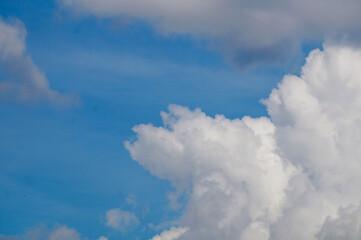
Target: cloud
point(132, 200)
point(346, 226)
point(172, 234)
point(231, 167)
point(103, 238)
point(41, 232)
point(64, 233)
point(294, 175)
point(24, 81)
point(246, 31)
point(317, 117)
point(121, 220)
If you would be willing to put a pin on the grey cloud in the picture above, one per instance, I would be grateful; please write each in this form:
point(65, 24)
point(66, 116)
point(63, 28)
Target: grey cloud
point(24, 81)
point(347, 225)
point(246, 31)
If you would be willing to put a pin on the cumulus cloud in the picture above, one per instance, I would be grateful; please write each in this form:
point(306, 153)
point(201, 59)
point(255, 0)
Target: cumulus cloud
point(121, 220)
point(236, 177)
point(247, 31)
point(24, 81)
point(232, 168)
point(317, 117)
point(294, 175)
point(171, 234)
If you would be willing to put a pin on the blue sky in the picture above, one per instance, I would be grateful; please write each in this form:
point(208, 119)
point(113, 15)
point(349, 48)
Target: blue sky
point(68, 165)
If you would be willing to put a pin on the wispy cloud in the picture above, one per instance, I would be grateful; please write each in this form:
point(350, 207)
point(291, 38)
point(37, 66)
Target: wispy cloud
point(121, 220)
point(22, 80)
point(59, 232)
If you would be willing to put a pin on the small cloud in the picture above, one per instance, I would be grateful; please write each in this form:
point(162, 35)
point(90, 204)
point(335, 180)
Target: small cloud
point(121, 220)
point(103, 238)
point(132, 200)
point(64, 233)
point(172, 234)
point(43, 233)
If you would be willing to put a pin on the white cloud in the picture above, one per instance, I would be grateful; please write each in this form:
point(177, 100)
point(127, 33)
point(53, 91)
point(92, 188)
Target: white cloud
point(24, 81)
point(294, 175)
point(103, 238)
point(247, 30)
point(171, 234)
point(317, 117)
point(121, 220)
point(232, 168)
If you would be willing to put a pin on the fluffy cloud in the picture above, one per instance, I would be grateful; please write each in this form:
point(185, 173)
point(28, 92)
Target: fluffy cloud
point(247, 30)
point(24, 82)
point(232, 168)
point(121, 220)
point(172, 234)
point(294, 175)
point(317, 117)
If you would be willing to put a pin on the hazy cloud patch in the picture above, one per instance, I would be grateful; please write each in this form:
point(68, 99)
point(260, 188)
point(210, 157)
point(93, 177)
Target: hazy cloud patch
point(121, 220)
point(23, 81)
point(59, 232)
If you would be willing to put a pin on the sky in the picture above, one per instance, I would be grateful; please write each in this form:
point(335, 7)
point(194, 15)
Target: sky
point(188, 120)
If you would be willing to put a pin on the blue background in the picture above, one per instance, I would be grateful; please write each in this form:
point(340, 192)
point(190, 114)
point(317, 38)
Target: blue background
point(69, 166)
